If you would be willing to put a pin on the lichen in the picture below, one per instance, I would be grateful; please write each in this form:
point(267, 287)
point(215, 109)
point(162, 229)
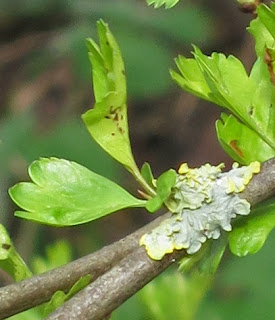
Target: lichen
point(203, 201)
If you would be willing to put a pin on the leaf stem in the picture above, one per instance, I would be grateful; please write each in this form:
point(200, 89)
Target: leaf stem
point(139, 178)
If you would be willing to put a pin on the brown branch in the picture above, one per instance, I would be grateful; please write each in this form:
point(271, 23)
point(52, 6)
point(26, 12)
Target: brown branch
point(118, 270)
point(31, 292)
point(99, 299)
point(109, 291)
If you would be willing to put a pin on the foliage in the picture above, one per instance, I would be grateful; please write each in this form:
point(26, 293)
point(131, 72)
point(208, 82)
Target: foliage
point(247, 134)
point(224, 81)
point(63, 193)
point(248, 236)
point(10, 260)
point(203, 201)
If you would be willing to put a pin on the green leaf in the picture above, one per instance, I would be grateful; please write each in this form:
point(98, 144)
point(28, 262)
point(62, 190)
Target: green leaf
point(224, 81)
point(158, 3)
point(267, 16)
point(107, 122)
point(147, 174)
point(10, 260)
point(263, 38)
point(64, 193)
point(250, 234)
point(60, 297)
point(240, 142)
point(164, 183)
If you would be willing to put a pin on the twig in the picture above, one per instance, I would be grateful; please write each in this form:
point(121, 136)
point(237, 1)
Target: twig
point(118, 270)
point(101, 297)
point(109, 291)
point(31, 292)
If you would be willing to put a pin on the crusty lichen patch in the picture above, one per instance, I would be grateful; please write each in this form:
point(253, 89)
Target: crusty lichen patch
point(204, 201)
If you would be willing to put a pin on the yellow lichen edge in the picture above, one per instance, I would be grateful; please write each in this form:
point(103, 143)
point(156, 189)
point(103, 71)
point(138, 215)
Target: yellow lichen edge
point(191, 225)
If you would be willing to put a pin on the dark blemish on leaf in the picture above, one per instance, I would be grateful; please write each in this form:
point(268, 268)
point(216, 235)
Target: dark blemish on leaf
point(233, 145)
point(120, 130)
point(107, 117)
point(251, 110)
point(113, 134)
point(121, 117)
point(269, 62)
point(116, 117)
point(6, 246)
point(112, 110)
point(107, 42)
point(123, 72)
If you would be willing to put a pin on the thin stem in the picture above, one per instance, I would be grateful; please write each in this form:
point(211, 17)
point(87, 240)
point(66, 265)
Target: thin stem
point(136, 173)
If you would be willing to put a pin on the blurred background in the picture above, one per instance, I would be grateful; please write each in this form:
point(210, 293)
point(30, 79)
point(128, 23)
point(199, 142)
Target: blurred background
point(45, 85)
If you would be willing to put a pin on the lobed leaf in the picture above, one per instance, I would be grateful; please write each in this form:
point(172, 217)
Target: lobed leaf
point(267, 16)
point(107, 121)
point(250, 234)
point(263, 38)
point(64, 193)
point(224, 81)
point(240, 142)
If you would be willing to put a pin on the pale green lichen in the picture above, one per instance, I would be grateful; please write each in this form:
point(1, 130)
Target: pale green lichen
point(204, 200)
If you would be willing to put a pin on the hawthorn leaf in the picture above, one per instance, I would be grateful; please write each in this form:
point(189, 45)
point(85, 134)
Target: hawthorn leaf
point(107, 121)
point(263, 38)
point(158, 3)
point(240, 142)
point(224, 81)
point(10, 260)
point(250, 234)
point(267, 17)
point(147, 174)
point(64, 193)
point(164, 184)
point(60, 297)
point(191, 79)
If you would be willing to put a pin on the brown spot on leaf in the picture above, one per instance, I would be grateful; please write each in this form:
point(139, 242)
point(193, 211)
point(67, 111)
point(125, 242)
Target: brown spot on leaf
point(251, 110)
point(113, 134)
point(116, 117)
point(233, 145)
point(120, 130)
point(6, 246)
point(123, 72)
point(269, 62)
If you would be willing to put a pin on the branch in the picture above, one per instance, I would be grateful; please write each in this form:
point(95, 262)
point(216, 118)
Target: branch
point(31, 292)
point(100, 298)
point(118, 270)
